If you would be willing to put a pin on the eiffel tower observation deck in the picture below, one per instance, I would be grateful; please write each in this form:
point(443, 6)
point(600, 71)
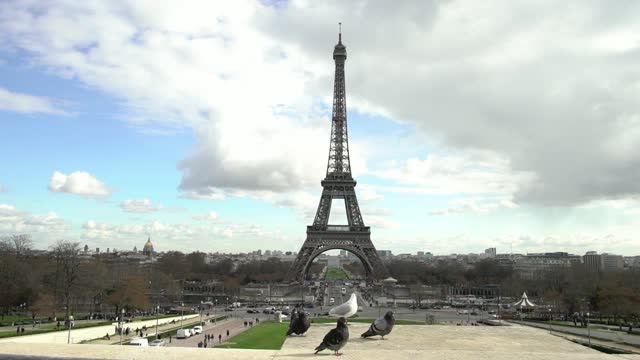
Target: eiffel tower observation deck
point(338, 183)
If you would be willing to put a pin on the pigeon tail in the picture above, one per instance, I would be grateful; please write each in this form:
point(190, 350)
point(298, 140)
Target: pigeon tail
point(368, 333)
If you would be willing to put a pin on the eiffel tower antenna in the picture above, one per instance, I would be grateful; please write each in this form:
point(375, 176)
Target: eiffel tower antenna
point(338, 184)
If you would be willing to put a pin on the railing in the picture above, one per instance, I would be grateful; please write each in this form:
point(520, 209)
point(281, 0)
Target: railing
point(337, 227)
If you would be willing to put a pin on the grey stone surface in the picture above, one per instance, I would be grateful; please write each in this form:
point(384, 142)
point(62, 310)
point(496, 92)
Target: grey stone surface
point(405, 342)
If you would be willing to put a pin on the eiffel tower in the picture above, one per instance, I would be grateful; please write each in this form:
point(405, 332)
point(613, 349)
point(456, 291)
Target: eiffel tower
point(339, 184)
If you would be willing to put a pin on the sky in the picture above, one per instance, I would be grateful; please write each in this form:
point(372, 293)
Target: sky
point(205, 125)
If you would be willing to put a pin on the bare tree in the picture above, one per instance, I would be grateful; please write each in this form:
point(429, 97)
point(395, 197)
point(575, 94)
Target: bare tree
point(20, 244)
point(67, 255)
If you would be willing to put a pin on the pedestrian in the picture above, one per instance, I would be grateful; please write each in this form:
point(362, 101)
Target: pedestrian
point(200, 344)
point(257, 320)
point(245, 323)
point(220, 338)
point(22, 330)
point(227, 333)
point(205, 344)
point(169, 339)
point(18, 330)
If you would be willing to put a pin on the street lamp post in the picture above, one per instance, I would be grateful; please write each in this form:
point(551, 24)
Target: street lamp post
point(200, 311)
point(181, 314)
point(157, 316)
point(68, 327)
point(215, 320)
point(549, 320)
point(121, 325)
point(588, 330)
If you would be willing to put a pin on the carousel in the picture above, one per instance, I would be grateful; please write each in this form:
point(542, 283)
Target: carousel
point(524, 305)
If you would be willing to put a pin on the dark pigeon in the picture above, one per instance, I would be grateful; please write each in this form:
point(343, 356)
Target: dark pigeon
point(299, 323)
point(382, 326)
point(292, 322)
point(335, 339)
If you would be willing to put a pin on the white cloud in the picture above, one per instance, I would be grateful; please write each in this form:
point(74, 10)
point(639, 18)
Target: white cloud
point(475, 205)
point(25, 103)
point(139, 206)
point(210, 216)
point(79, 183)
point(475, 173)
point(13, 220)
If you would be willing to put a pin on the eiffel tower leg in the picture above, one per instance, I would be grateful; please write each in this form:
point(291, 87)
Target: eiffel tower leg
point(298, 268)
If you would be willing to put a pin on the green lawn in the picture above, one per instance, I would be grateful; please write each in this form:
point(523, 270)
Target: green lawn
point(358, 320)
point(266, 336)
point(336, 273)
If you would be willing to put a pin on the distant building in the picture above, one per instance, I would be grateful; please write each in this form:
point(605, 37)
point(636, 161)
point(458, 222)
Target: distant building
point(490, 252)
point(333, 261)
point(135, 249)
point(97, 250)
point(86, 248)
point(603, 262)
point(420, 254)
point(592, 261)
point(611, 262)
point(148, 248)
point(534, 265)
point(343, 253)
point(385, 253)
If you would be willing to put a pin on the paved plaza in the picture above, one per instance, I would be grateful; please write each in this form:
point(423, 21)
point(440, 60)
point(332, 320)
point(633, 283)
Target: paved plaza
point(406, 342)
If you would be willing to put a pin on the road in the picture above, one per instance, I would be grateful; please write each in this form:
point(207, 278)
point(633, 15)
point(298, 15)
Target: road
point(234, 326)
point(443, 316)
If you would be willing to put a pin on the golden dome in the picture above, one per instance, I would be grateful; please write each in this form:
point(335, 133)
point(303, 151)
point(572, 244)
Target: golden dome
point(148, 246)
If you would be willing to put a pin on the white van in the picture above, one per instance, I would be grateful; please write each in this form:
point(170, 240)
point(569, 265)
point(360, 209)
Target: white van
point(138, 342)
point(183, 333)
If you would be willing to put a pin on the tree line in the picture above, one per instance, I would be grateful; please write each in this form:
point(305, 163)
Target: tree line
point(568, 289)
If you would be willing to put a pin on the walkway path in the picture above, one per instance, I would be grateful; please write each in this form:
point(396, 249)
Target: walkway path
point(79, 335)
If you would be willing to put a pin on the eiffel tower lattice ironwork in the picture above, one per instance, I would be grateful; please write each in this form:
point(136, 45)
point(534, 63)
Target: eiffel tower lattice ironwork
point(339, 184)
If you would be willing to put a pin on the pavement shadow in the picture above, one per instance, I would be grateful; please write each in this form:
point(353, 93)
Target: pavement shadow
point(303, 355)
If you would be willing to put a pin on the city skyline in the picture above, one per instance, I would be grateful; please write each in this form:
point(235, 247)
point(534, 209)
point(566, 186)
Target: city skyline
point(208, 128)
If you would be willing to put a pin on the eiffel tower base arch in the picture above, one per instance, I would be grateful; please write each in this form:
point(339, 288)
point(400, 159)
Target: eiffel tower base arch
point(359, 244)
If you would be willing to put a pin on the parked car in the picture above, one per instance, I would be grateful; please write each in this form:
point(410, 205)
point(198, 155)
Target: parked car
point(138, 342)
point(251, 311)
point(158, 342)
point(197, 330)
point(183, 333)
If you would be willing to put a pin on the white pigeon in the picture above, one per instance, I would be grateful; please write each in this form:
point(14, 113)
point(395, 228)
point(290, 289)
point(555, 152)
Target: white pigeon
point(347, 309)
